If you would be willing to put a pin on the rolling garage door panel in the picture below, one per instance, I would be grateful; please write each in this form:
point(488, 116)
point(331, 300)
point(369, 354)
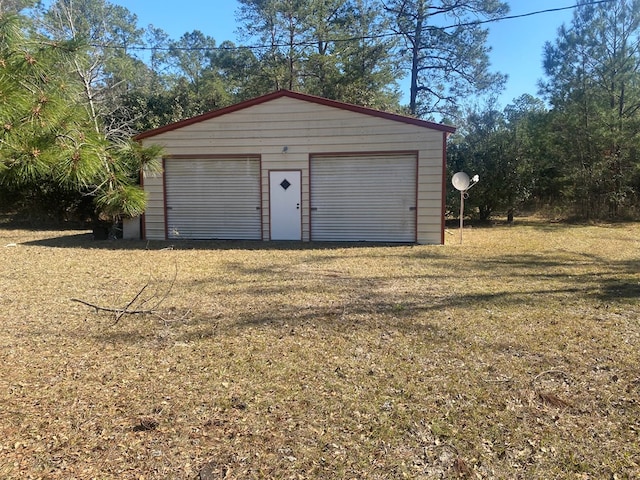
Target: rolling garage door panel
point(370, 198)
point(213, 198)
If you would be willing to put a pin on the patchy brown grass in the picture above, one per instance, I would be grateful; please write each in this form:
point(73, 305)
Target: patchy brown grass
point(515, 355)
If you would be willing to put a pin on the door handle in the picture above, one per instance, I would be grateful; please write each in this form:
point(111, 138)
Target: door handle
point(297, 206)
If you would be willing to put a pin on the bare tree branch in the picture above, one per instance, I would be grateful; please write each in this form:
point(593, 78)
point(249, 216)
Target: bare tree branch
point(120, 311)
point(127, 310)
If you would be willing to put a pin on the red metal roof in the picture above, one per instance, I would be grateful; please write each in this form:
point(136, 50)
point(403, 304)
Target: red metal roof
point(299, 96)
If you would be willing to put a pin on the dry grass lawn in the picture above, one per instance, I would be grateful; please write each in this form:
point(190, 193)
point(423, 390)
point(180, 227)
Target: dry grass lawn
point(515, 355)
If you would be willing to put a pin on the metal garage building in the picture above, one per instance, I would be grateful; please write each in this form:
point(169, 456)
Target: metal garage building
point(290, 166)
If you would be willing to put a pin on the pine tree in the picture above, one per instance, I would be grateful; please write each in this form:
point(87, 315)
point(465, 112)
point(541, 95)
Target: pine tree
point(593, 84)
point(48, 139)
point(444, 64)
point(332, 48)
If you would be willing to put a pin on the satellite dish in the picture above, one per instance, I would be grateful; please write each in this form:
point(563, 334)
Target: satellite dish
point(461, 181)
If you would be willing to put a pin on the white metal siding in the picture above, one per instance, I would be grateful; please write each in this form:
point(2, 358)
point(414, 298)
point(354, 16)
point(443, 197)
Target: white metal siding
point(370, 198)
point(213, 198)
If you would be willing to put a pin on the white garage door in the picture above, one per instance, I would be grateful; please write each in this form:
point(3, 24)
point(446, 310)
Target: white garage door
point(363, 198)
point(213, 198)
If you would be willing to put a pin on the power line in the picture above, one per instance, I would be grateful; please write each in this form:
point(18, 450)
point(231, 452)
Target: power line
point(538, 12)
point(350, 39)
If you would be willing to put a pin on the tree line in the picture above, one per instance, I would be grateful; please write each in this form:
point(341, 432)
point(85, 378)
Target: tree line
point(78, 78)
point(577, 152)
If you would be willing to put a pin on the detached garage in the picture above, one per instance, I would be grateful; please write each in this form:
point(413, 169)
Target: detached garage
point(290, 166)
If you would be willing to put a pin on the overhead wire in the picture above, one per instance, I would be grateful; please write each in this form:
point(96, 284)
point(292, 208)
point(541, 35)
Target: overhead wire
point(234, 47)
point(538, 12)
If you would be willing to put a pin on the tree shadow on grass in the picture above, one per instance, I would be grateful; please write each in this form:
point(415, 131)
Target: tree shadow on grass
point(86, 241)
point(535, 222)
point(615, 289)
point(372, 310)
point(375, 320)
point(560, 276)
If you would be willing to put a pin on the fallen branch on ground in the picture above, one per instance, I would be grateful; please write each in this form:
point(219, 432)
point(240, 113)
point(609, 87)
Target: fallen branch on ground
point(128, 310)
point(119, 311)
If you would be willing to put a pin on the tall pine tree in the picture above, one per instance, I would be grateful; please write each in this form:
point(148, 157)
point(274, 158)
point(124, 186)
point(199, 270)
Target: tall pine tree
point(444, 53)
point(593, 84)
point(49, 143)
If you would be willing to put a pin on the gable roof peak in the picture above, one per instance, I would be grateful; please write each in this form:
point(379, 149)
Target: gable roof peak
point(298, 96)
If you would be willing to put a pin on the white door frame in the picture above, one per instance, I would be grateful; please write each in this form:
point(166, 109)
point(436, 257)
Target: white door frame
point(285, 204)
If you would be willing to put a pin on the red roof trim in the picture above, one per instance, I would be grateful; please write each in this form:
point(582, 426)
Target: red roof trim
point(299, 96)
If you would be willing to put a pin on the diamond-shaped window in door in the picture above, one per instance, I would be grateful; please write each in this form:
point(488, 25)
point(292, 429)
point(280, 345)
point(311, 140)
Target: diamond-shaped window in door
point(285, 184)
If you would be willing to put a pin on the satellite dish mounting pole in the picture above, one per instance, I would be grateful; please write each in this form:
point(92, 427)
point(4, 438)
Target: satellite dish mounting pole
point(462, 182)
point(461, 213)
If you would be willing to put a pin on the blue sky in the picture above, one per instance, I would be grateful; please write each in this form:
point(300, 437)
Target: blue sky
point(517, 44)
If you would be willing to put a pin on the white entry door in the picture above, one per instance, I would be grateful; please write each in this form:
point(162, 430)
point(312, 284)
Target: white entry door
point(285, 210)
